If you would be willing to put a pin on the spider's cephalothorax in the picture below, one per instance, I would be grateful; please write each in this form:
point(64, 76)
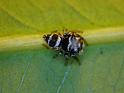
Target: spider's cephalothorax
point(53, 40)
point(72, 43)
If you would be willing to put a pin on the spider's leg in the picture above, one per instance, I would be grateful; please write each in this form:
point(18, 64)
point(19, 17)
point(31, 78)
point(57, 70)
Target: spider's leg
point(77, 59)
point(46, 46)
point(66, 59)
point(65, 30)
point(84, 41)
point(58, 52)
point(56, 55)
point(77, 31)
point(54, 31)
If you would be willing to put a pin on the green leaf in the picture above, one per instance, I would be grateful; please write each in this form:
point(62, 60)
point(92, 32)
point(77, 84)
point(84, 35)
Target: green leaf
point(27, 67)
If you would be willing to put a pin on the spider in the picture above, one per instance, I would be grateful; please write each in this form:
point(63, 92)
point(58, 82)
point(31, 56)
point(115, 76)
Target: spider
point(69, 44)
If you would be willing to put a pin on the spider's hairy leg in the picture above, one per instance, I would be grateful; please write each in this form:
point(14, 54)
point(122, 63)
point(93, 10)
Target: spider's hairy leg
point(76, 31)
point(46, 46)
point(54, 31)
point(66, 59)
point(84, 41)
point(57, 54)
point(77, 59)
point(65, 30)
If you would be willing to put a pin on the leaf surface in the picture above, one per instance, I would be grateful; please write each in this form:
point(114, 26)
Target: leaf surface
point(35, 71)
